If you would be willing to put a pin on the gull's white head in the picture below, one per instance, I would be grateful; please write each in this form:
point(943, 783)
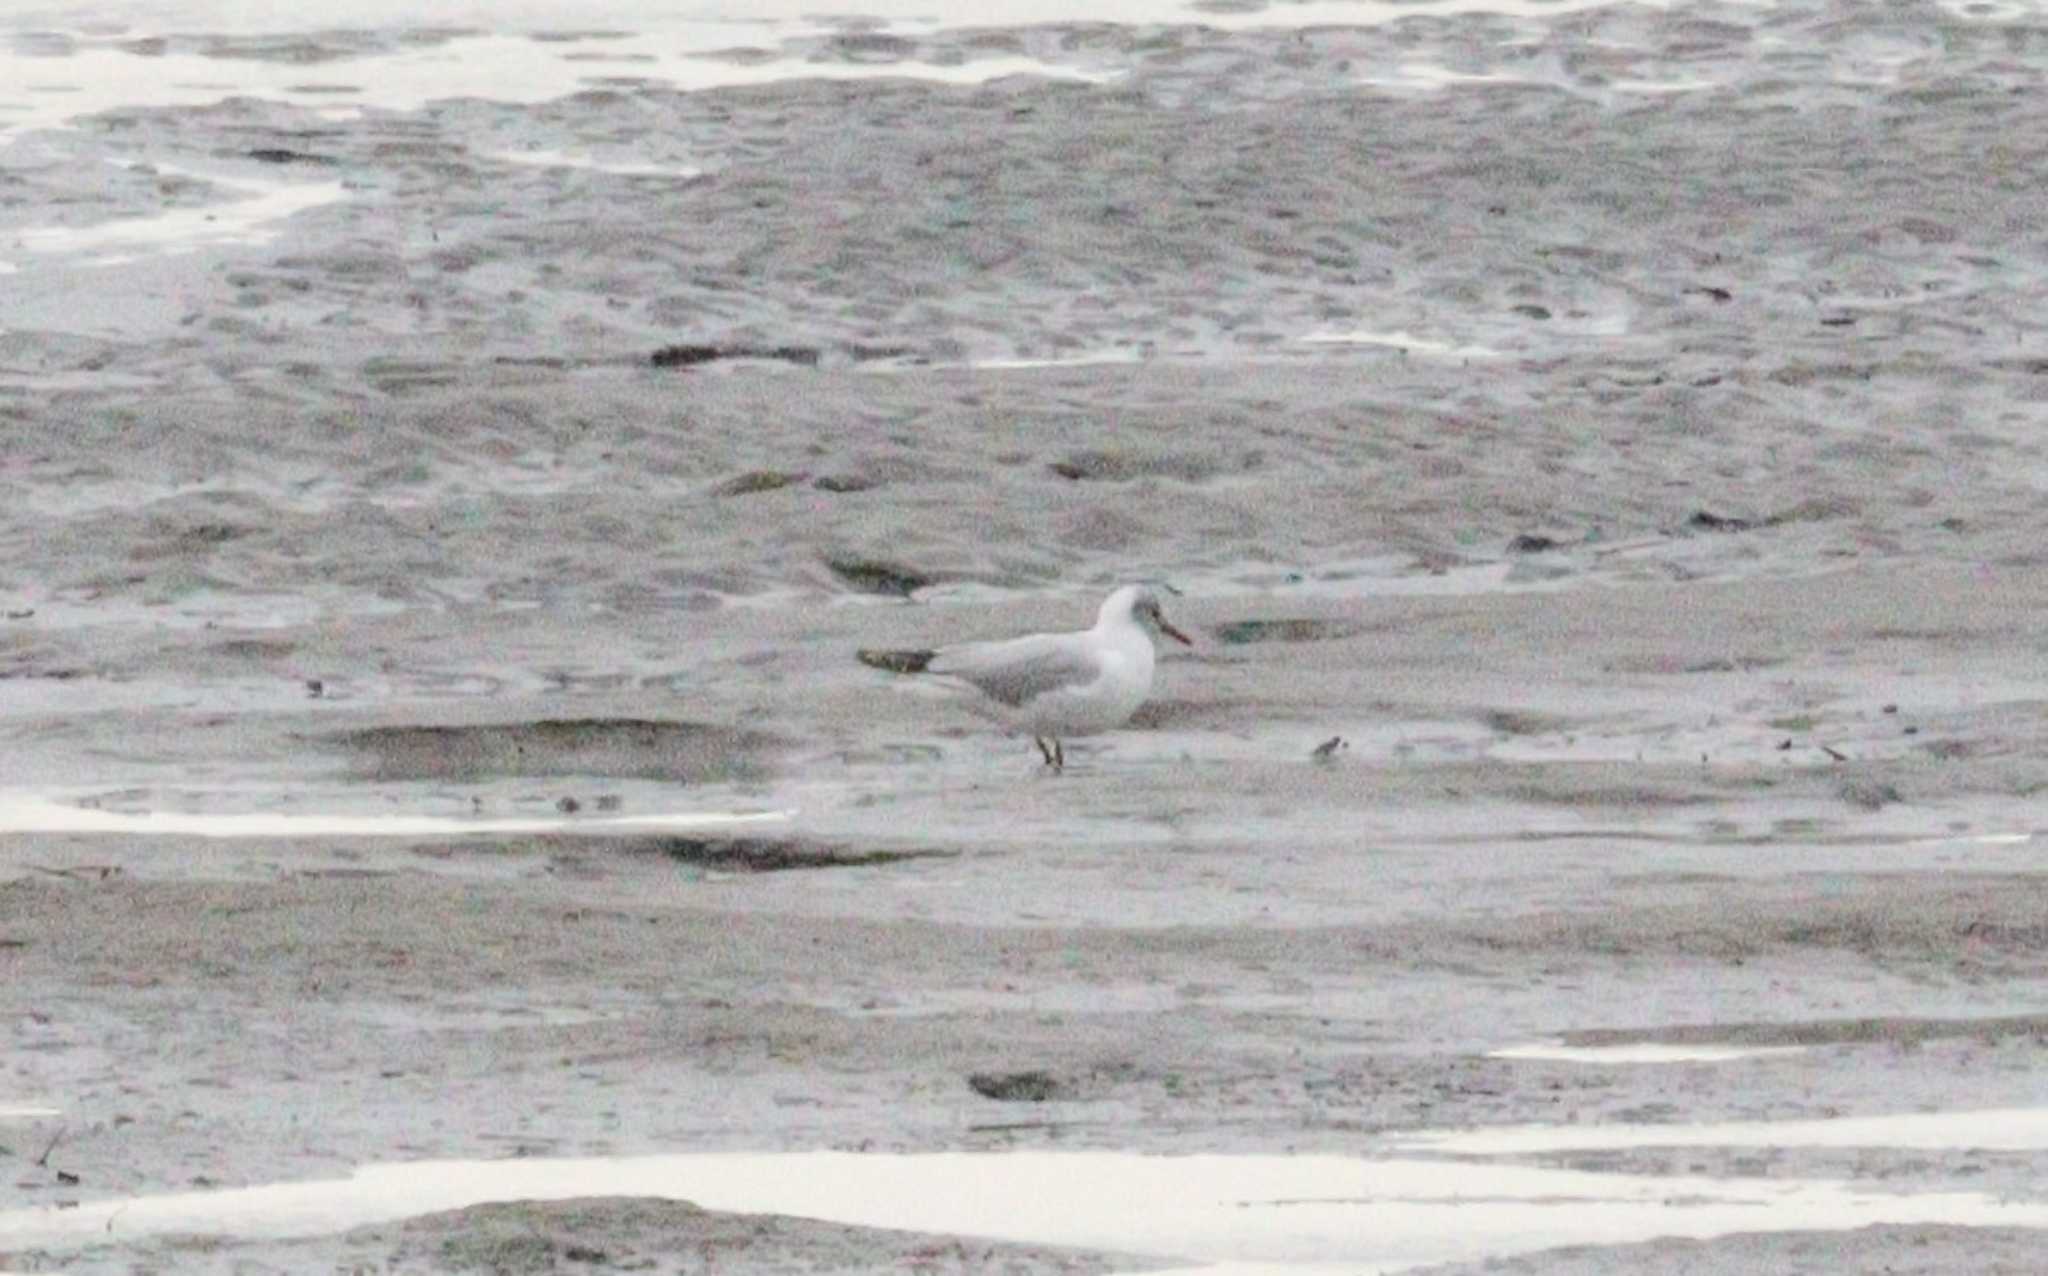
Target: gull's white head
point(1139, 604)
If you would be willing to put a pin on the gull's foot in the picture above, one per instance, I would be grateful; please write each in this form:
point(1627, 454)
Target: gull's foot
point(1043, 749)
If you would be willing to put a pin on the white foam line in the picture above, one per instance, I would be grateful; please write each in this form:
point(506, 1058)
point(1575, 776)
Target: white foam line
point(1663, 86)
point(1291, 1213)
point(9, 1112)
point(1999, 1129)
point(495, 67)
point(40, 815)
point(1977, 839)
point(1648, 1052)
point(1430, 78)
point(182, 229)
point(1405, 341)
point(726, 24)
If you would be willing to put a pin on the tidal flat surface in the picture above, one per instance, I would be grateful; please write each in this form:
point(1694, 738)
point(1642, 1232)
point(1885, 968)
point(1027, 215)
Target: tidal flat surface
point(1599, 450)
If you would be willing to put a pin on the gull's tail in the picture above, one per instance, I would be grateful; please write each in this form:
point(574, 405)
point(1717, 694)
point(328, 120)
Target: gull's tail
point(896, 661)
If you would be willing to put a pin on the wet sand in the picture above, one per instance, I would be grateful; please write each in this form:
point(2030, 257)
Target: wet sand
point(1641, 480)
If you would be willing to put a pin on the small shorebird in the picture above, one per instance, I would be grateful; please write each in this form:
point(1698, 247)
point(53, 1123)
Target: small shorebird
point(1056, 685)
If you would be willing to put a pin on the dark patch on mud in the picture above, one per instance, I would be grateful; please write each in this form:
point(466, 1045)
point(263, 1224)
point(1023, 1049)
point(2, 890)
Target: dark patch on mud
point(733, 853)
point(397, 376)
point(1708, 521)
point(1626, 796)
point(845, 483)
point(254, 648)
point(1812, 510)
point(870, 47)
point(895, 661)
point(1675, 665)
point(60, 674)
point(1819, 1032)
point(1302, 629)
point(1949, 750)
point(1017, 1087)
point(194, 540)
point(754, 481)
point(1516, 722)
point(772, 855)
point(625, 748)
point(689, 356)
point(285, 155)
point(875, 576)
point(1739, 664)
point(1866, 794)
point(1166, 713)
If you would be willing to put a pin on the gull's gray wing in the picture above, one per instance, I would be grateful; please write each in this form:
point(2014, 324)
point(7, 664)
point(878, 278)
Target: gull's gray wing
point(1019, 671)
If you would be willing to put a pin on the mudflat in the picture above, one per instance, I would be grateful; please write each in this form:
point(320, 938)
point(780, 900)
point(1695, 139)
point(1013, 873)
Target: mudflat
point(1623, 453)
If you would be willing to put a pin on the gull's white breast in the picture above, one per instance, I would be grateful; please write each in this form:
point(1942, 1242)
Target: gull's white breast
point(1124, 661)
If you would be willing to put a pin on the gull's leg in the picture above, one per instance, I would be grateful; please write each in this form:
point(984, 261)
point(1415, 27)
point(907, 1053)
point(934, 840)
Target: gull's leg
point(1059, 755)
point(1040, 742)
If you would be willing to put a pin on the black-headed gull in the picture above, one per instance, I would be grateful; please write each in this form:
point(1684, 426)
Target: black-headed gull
point(1057, 685)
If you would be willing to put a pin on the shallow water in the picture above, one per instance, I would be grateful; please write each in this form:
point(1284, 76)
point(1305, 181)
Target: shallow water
point(1376, 1216)
point(245, 220)
point(52, 92)
point(22, 813)
point(80, 60)
point(64, 62)
point(235, 15)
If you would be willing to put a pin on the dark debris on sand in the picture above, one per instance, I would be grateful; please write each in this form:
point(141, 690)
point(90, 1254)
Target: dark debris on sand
point(1033, 1086)
point(876, 576)
point(285, 155)
point(901, 661)
point(1302, 629)
point(773, 855)
point(754, 481)
point(690, 355)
